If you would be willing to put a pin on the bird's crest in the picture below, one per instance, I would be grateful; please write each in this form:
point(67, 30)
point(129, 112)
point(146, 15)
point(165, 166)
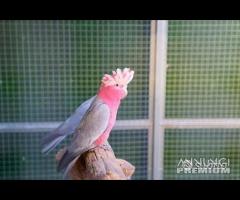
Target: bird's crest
point(121, 77)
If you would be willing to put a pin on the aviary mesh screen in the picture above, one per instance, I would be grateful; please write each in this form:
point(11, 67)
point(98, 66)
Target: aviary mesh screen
point(49, 67)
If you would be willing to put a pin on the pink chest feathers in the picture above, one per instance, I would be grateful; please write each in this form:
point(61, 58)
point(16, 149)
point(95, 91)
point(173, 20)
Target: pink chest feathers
point(104, 136)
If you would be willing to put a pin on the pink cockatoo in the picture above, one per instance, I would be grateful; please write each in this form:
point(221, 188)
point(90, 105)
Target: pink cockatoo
point(92, 121)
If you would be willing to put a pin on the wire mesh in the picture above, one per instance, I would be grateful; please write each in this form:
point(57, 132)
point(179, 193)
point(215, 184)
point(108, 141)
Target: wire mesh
point(49, 67)
point(201, 144)
point(203, 77)
point(133, 147)
point(21, 158)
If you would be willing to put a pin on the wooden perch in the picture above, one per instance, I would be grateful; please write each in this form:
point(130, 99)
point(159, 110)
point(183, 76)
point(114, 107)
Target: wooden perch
point(99, 163)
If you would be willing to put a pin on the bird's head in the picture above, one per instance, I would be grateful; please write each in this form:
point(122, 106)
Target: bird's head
point(115, 85)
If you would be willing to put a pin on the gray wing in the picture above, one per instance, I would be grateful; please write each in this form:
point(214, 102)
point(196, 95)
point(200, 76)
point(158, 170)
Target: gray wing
point(91, 127)
point(68, 127)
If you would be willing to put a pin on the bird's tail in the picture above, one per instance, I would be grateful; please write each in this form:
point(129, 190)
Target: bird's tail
point(68, 167)
point(50, 141)
point(68, 160)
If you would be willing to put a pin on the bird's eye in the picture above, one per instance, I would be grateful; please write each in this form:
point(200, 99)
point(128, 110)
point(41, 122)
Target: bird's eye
point(117, 85)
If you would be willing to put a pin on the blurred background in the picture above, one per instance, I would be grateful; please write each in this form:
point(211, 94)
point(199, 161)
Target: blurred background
point(49, 67)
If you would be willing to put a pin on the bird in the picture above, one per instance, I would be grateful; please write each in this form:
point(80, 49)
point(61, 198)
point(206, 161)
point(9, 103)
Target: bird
point(92, 122)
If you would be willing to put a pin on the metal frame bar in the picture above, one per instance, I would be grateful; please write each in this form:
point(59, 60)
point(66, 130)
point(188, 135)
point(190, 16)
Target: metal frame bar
point(159, 98)
point(200, 123)
point(152, 64)
point(128, 125)
point(48, 126)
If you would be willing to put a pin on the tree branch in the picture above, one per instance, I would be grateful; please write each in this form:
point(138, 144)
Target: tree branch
point(99, 163)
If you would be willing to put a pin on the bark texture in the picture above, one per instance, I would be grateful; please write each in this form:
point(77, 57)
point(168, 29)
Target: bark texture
point(99, 163)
